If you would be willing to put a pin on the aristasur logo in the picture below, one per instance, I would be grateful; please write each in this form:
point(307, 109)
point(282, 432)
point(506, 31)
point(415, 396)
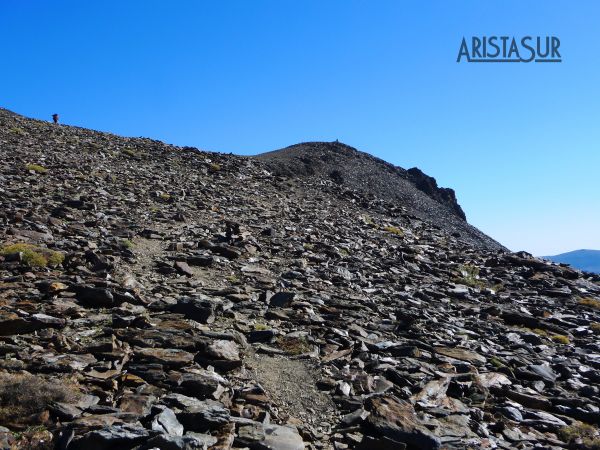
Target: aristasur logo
point(508, 49)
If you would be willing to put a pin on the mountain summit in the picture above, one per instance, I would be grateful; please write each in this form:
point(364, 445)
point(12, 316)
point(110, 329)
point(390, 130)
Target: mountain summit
point(417, 193)
point(154, 296)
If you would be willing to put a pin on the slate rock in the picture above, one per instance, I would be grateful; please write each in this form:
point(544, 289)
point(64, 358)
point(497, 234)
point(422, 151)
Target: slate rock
point(397, 420)
point(203, 416)
point(220, 353)
point(202, 384)
point(188, 442)
point(200, 310)
point(94, 297)
point(282, 299)
point(112, 438)
point(258, 436)
point(165, 421)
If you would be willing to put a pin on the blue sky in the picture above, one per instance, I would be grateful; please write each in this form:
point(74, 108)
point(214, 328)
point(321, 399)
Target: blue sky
point(518, 142)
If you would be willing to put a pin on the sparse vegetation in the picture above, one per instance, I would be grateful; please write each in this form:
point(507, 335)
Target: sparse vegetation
point(590, 302)
point(560, 339)
point(294, 345)
point(36, 168)
point(127, 243)
point(394, 230)
point(496, 362)
point(469, 276)
point(343, 251)
point(34, 256)
point(587, 434)
point(165, 196)
point(214, 167)
point(539, 331)
point(595, 327)
point(498, 287)
point(130, 152)
point(261, 327)
point(36, 437)
point(233, 279)
point(370, 222)
point(22, 396)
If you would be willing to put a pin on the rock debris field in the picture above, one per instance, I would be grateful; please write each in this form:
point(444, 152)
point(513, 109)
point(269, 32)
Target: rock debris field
point(160, 297)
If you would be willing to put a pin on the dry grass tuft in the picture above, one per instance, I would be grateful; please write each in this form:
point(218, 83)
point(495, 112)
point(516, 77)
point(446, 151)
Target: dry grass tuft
point(589, 301)
point(294, 345)
point(560, 339)
point(394, 230)
point(588, 435)
point(130, 152)
point(25, 395)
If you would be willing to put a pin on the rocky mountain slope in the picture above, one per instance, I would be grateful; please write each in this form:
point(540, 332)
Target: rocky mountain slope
point(417, 192)
point(160, 297)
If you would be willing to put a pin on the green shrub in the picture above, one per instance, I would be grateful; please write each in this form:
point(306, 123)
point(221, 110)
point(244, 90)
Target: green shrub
point(214, 167)
point(595, 327)
point(36, 168)
point(34, 256)
point(127, 243)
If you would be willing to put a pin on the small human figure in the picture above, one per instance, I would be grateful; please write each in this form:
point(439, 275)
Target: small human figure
point(55, 118)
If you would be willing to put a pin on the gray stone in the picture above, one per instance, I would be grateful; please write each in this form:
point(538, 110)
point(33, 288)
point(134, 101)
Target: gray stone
point(165, 421)
point(203, 416)
point(115, 437)
point(260, 436)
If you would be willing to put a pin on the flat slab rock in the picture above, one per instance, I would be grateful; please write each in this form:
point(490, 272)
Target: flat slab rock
point(269, 437)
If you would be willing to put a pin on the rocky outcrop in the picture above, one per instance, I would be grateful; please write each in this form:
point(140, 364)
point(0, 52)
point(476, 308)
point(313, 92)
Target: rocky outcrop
point(427, 184)
point(306, 314)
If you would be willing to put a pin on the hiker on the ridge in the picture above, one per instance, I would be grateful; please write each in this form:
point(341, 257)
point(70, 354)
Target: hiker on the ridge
point(55, 118)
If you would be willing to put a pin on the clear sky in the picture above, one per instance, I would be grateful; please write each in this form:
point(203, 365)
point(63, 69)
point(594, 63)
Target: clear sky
point(518, 142)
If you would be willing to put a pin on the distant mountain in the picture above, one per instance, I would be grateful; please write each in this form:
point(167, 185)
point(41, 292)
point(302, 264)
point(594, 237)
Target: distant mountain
point(588, 260)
